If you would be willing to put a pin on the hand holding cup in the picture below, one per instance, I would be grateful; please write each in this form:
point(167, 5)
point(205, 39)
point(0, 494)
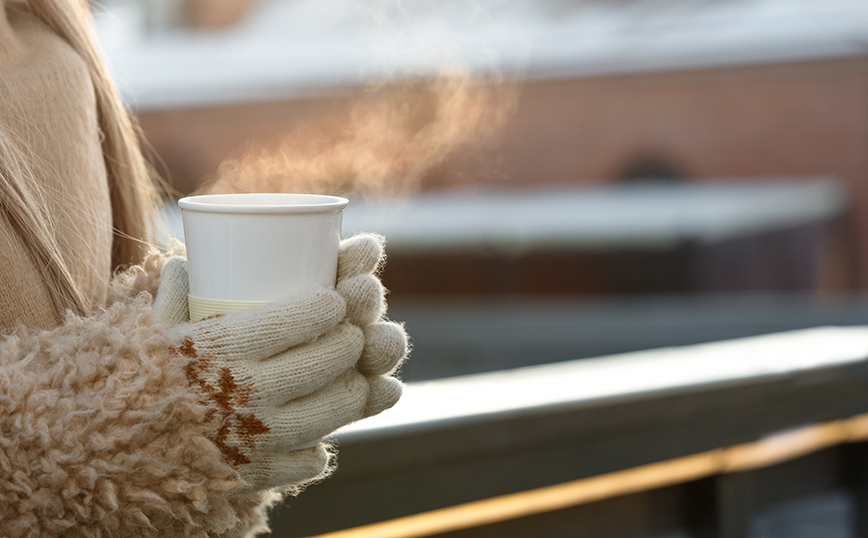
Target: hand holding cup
point(281, 376)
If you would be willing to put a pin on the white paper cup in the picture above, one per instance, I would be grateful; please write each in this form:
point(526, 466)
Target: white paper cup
point(245, 250)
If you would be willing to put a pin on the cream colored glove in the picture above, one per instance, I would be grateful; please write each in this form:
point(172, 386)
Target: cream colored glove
point(280, 377)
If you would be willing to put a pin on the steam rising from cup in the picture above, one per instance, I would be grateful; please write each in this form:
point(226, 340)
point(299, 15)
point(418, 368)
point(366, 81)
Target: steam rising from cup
point(396, 135)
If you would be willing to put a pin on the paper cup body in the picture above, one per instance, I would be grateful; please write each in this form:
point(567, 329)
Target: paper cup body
point(245, 250)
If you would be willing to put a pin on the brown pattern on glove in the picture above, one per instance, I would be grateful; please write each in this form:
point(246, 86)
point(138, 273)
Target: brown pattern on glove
point(228, 394)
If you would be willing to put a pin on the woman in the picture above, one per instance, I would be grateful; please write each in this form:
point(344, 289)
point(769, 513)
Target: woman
point(119, 417)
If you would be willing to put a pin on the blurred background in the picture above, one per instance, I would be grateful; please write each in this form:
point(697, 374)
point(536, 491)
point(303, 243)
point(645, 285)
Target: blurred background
point(557, 179)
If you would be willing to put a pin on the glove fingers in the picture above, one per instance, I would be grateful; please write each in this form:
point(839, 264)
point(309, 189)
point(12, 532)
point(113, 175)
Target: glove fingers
point(170, 305)
point(312, 417)
point(307, 368)
point(385, 347)
point(365, 298)
point(283, 469)
point(384, 392)
point(360, 254)
point(265, 331)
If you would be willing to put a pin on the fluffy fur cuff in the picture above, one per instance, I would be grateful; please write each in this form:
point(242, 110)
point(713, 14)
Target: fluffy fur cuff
point(102, 435)
point(143, 278)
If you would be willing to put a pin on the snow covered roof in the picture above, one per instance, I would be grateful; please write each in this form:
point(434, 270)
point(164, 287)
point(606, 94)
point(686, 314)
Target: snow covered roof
point(641, 216)
point(292, 48)
point(644, 216)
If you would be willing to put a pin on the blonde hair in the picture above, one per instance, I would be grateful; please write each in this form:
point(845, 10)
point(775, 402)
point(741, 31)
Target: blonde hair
point(132, 191)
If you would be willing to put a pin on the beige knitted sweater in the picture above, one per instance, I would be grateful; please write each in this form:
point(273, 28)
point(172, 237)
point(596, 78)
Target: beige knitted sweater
point(86, 444)
point(47, 105)
point(101, 431)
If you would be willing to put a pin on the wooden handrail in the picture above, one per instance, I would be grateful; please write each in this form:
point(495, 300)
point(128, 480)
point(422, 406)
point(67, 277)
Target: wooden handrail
point(771, 450)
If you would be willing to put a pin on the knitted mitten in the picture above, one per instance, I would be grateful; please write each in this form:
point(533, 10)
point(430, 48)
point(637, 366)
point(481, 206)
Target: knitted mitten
point(280, 377)
point(114, 425)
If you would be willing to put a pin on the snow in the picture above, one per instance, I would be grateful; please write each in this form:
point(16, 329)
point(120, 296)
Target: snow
point(291, 48)
point(648, 217)
point(585, 382)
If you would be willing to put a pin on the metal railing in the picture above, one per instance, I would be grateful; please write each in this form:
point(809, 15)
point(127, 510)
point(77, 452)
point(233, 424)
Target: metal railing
point(695, 438)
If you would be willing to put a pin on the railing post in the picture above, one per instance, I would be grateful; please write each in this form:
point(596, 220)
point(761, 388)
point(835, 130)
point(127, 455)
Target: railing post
point(720, 506)
point(857, 481)
point(734, 504)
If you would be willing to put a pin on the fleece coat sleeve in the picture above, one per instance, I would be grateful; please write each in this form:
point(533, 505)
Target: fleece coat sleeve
point(101, 434)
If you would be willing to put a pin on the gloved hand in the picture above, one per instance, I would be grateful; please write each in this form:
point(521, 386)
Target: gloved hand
point(280, 377)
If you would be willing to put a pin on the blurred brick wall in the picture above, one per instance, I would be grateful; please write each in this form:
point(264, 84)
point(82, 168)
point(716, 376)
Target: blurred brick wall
point(216, 14)
point(798, 119)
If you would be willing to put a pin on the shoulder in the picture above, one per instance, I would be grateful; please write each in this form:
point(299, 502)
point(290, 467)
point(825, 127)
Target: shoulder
point(37, 63)
point(48, 110)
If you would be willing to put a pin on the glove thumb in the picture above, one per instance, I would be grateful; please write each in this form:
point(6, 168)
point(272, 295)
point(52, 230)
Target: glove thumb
point(170, 305)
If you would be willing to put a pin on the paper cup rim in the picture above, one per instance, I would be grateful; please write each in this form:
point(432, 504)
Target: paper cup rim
point(257, 203)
